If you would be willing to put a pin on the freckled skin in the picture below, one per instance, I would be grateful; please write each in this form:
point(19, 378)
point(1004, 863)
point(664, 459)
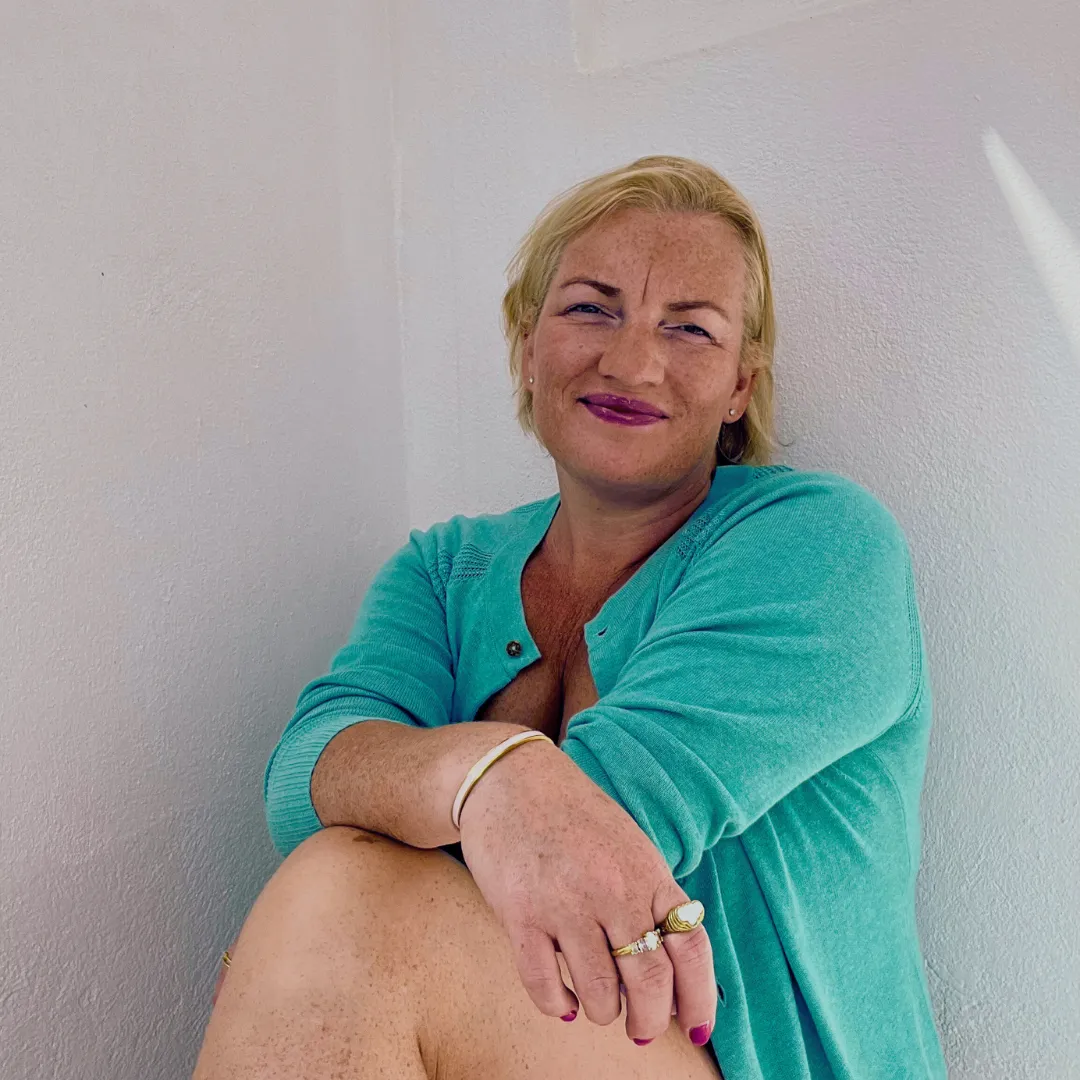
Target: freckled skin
point(624, 490)
point(367, 958)
point(364, 957)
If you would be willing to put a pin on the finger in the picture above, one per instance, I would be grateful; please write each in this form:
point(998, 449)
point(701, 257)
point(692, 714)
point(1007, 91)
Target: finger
point(593, 973)
point(674, 1002)
point(538, 969)
point(649, 981)
point(695, 984)
point(692, 962)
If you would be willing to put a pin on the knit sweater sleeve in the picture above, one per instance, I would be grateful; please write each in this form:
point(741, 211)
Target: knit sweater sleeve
point(790, 641)
point(396, 665)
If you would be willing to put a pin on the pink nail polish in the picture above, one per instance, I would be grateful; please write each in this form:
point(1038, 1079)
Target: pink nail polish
point(699, 1036)
point(643, 1042)
point(569, 1016)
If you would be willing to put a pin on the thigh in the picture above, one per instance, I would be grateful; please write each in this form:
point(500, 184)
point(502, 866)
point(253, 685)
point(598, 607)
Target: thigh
point(402, 944)
point(477, 1021)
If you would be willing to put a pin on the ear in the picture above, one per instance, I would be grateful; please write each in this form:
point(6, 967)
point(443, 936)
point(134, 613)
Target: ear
point(744, 388)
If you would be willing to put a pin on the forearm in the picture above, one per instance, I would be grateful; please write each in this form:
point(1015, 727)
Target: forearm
point(400, 780)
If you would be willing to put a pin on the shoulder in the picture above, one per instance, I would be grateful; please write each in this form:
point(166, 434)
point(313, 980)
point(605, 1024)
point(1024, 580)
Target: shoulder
point(816, 557)
point(463, 546)
point(485, 532)
point(816, 489)
point(460, 547)
point(801, 510)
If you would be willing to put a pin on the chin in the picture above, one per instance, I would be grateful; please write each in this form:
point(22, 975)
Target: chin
point(614, 458)
point(602, 465)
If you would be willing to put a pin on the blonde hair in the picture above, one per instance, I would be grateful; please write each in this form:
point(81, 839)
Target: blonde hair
point(662, 184)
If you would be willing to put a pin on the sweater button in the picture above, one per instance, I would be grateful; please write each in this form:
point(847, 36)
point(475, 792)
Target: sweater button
point(513, 648)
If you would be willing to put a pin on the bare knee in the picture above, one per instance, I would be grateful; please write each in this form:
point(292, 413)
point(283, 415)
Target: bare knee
point(327, 883)
point(341, 857)
point(332, 904)
point(312, 976)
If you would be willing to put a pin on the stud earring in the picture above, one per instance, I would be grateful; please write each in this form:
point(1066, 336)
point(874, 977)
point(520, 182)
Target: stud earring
point(530, 378)
point(731, 412)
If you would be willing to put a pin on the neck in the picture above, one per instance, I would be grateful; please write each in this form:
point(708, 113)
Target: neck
point(602, 536)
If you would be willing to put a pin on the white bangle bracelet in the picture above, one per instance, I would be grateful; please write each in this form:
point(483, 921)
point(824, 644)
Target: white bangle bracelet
point(484, 764)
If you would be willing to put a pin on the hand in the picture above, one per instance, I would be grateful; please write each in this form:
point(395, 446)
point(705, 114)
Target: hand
point(564, 866)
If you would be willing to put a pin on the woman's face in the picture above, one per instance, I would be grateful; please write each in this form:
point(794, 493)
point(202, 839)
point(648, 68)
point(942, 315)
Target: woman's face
point(631, 335)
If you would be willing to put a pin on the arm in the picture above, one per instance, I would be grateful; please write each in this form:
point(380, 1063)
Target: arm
point(370, 743)
point(791, 641)
point(570, 869)
point(401, 780)
point(396, 669)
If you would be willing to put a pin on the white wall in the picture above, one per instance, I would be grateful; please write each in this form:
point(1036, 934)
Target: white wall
point(200, 467)
point(920, 355)
point(202, 458)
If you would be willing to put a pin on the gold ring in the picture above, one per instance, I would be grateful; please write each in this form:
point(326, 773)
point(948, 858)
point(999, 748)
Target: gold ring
point(226, 959)
point(683, 917)
point(648, 942)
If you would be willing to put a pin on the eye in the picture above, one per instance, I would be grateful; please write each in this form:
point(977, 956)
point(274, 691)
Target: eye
point(694, 326)
point(596, 309)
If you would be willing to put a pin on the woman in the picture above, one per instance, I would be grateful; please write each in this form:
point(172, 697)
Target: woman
point(726, 659)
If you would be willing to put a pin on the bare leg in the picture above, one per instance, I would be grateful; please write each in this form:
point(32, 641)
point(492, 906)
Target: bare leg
point(367, 958)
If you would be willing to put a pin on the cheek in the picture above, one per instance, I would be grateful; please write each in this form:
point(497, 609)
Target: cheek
point(565, 346)
point(695, 385)
point(708, 384)
point(566, 364)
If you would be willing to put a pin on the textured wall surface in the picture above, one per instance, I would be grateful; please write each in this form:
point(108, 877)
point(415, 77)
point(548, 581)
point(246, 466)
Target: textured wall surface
point(611, 34)
point(202, 454)
point(922, 353)
point(200, 467)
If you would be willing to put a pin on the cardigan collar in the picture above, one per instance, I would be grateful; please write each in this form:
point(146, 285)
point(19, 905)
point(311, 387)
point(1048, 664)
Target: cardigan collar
point(503, 607)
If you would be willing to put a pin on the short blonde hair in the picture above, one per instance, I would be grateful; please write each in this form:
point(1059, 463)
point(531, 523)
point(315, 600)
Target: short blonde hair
point(663, 184)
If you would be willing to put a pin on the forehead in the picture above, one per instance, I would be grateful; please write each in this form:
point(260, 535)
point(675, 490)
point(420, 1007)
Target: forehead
point(673, 248)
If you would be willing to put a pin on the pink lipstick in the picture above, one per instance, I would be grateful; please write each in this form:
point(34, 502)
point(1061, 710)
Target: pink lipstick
point(630, 419)
point(620, 410)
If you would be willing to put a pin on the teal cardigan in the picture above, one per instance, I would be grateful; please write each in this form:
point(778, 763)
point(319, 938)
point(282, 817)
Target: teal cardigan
point(763, 714)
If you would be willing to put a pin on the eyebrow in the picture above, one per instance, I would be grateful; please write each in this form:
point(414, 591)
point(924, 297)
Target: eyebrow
point(676, 305)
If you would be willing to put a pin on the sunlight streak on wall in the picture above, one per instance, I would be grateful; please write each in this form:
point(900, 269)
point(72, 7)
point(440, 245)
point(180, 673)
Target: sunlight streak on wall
point(1048, 239)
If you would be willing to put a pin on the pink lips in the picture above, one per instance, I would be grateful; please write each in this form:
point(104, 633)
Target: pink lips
point(624, 404)
point(618, 410)
point(613, 417)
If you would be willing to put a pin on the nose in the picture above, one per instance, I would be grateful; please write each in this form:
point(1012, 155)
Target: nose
point(633, 357)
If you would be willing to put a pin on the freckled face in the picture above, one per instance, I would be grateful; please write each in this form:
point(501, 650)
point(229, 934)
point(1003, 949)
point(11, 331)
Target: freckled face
point(634, 338)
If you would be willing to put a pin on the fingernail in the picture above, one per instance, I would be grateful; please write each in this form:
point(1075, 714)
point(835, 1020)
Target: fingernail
point(643, 1042)
point(569, 1016)
point(699, 1036)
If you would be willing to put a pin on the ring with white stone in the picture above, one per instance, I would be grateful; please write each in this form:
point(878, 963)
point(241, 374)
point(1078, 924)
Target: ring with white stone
point(683, 917)
point(648, 942)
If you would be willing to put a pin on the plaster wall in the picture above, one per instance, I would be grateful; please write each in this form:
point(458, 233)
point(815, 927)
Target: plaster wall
point(200, 467)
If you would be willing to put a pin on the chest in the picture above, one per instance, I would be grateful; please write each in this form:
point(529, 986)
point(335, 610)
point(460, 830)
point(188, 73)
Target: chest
point(550, 691)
